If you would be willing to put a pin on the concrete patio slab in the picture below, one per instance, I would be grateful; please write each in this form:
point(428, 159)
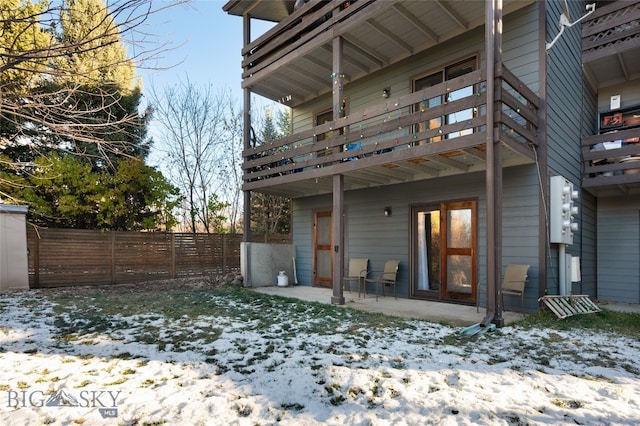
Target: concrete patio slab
point(448, 313)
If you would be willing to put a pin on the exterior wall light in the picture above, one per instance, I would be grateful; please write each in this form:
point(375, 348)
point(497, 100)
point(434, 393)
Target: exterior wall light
point(387, 211)
point(386, 92)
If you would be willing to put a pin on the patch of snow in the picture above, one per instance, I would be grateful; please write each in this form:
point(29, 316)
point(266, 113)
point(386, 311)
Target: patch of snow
point(246, 376)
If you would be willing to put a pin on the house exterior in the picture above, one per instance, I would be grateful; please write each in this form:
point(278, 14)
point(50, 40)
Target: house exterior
point(395, 154)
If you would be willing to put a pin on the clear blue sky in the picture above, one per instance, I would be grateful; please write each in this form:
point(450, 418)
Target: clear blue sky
point(206, 42)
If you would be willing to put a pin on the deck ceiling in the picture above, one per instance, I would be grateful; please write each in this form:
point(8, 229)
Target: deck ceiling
point(381, 34)
point(266, 10)
point(611, 43)
point(615, 68)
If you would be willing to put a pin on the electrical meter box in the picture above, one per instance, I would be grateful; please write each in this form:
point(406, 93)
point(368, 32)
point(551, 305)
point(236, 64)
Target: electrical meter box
point(562, 210)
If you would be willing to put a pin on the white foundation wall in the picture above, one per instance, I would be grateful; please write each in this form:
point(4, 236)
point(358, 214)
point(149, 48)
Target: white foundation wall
point(260, 263)
point(14, 272)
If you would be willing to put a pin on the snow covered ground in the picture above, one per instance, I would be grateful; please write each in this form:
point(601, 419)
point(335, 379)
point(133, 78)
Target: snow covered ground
point(150, 368)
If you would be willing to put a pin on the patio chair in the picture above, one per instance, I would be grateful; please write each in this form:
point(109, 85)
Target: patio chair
point(514, 280)
point(385, 278)
point(357, 272)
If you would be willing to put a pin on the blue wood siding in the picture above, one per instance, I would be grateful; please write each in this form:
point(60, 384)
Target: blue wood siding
point(565, 101)
point(370, 234)
point(520, 54)
point(302, 232)
point(588, 214)
point(619, 249)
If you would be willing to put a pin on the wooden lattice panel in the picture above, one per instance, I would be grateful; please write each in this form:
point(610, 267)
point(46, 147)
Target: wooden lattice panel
point(566, 306)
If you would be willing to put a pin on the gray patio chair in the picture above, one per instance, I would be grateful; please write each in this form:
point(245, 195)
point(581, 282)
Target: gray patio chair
point(514, 280)
point(357, 272)
point(385, 278)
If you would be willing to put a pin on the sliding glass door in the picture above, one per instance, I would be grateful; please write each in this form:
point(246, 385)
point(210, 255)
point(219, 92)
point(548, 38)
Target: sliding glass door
point(443, 251)
point(458, 255)
point(426, 251)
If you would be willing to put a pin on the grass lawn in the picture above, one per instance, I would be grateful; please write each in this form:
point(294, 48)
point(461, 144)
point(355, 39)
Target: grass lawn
point(234, 356)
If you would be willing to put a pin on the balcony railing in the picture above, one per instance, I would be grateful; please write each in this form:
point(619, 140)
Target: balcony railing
point(612, 29)
point(612, 158)
point(302, 26)
point(443, 121)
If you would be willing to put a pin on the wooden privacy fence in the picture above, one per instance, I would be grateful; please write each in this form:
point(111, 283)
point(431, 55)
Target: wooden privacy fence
point(72, 257)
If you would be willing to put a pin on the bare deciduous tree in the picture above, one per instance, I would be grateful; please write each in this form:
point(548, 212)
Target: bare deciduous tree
point(231, 171)
point(193, 136)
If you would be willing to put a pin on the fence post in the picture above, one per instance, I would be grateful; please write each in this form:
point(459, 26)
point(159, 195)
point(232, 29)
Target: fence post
point(113, 257)
point(224, 253)
point(36, 259)
point(173, 255)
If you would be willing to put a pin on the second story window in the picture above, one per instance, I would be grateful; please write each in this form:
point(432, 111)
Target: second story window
point(434, 121)
point(323, 118)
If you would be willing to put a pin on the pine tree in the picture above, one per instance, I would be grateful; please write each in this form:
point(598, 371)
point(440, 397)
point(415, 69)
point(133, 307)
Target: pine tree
point(103, 82)
point(66, 81)
point(103, 58)
point(21, 70)
point(72, 142)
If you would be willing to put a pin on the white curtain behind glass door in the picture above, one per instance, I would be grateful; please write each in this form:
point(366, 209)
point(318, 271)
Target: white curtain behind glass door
point(423, 265)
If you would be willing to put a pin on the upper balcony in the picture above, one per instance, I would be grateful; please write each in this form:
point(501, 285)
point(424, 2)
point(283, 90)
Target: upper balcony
point(611, 43)
point(612, 159)
point(611, 55)
point(417, 136)
point(293, 61)
point(440, 131)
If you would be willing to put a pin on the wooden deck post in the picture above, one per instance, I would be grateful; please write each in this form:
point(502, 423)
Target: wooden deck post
point(493, 40)
point(246, 134)
point(497, 173)
point(338, 239)
point(338, 181)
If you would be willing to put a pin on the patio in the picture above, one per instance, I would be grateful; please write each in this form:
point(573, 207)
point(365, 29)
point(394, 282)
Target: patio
point(457, 315)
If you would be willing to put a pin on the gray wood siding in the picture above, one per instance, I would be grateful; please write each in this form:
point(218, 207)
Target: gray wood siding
point(520, 54)
point(588, 214)
point(302, 227)
point(566, 123)
point(370, 234)
point(587, 247)
point(564, 95)
point(520, 229)
point(520, 45)
point(584, 247)
point(618, 249)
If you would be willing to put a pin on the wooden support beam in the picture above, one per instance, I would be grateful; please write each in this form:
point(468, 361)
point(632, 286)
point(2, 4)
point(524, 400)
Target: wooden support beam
point(390, 35)
point(338, 239)
point(417, 23)
point(246, 138)
point(453, 14)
